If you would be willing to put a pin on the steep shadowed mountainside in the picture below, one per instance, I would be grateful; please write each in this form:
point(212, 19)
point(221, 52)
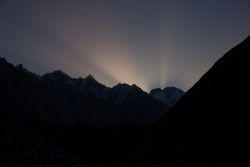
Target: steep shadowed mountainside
point(210, 125)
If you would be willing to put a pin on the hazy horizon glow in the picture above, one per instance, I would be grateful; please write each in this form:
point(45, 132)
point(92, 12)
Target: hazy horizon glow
point(150, 43)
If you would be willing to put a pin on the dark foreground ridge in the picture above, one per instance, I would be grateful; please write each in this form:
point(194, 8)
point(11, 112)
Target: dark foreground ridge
point(209, 126)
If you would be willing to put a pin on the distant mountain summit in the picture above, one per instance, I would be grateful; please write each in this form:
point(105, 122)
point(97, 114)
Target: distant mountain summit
point(57, 79)
point(169, 95)
point(119, 93)
point(91, 78)
point(90, 85)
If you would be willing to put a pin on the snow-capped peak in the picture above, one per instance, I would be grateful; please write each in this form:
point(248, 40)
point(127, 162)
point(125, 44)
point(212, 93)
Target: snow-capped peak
point(169, 95)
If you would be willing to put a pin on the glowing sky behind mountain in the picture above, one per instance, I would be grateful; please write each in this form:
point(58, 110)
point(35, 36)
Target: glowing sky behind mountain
point(152, 43)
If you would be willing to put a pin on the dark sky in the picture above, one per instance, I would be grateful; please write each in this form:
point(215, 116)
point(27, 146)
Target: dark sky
point(152, 43)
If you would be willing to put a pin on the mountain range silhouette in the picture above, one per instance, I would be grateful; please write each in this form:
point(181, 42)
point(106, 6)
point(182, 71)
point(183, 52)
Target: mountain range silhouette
point(41, 120)
point(58, 98)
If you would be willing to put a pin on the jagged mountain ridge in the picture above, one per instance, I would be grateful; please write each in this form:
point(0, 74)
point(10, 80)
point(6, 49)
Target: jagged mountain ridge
point(24, 97)
point(57, 98)
point(116, 94)
point(60, 79)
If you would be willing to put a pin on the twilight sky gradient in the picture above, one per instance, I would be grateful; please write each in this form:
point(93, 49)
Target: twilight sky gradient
point(152, 43)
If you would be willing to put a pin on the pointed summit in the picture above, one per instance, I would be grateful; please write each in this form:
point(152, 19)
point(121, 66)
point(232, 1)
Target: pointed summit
point(90, 85)
point(90, 77)
point(57, 79)
point(59, 73)
point(5, 67)
point(2, 60)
